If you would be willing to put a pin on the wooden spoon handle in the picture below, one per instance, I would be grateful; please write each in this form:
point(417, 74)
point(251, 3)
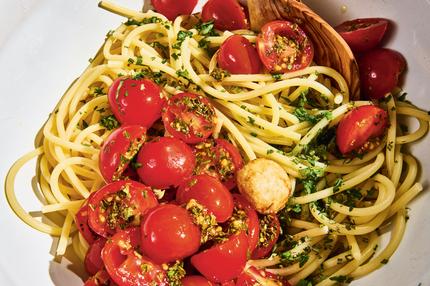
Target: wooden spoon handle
point(330, 49)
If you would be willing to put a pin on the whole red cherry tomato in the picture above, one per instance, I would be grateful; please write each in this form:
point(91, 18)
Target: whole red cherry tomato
point(269, 234)
point(224, 261)
point(220, 159)
point(379, 72)
point(238, 56)
point(93, 261)
point(101, 278)
point(165, 162)
point(226, 14)
point(284, 47)
point(210, 193)
point(118, 150)
point(118, 205)
point(173, 8)
point(363, 34)
point(128, 97)
point(81, 221)
point(169, 234)
point(126, 266)
point(189, 117)
point(196, 280)
point(359, 125)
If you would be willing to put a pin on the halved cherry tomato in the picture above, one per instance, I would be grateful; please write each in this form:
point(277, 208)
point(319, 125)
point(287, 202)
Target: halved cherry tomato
point(169, 234)
point(165, 162)
point(101, 278)
point(119, 205)
point(196, 280)
point(358, 126)
point(189, 117)
point(226, 14)
point(284, 47)
point(363, 34)
point(173, 8)
point(269, 234)
point(93, 261)
point(379, 72)
point(209, 192)
point(81, 221)
point(220, 159)
point(119, 149)
point(238, 56)
point(135, 101)
point(126, 266)
point(224, 261)
point(253, 276)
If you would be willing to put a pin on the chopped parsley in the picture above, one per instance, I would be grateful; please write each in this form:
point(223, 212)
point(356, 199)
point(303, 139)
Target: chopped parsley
point(109, 122)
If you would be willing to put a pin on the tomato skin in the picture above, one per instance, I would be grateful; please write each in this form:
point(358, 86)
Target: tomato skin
point(165, 162)
point(172, 8)
point(118, 149)
point(226, 14)
point(196, 280)
point(270, 222)
point(285, 57)
point(128, 97)
point(124, 264)
point(129, 198)
point(210, 193)
point(379, 72)
point(183, 122)
point(93, 261)
point(250, 275)
point(224, 261)
point(238, 56)
point(363, 34)
point(81, 221)
point(359, 125)
point(101, 278)
point(210, 156)
point(169, 234)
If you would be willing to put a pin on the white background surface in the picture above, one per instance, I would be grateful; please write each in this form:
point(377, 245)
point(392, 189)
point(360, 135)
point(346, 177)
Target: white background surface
point(45, 45)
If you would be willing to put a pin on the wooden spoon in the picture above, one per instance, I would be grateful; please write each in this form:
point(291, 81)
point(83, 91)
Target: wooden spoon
point(330, 49)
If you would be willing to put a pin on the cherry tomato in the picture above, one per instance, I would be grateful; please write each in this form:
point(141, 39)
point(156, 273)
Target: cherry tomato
point(169, 234)
point(129, 97)
point(118, 205)
point(238, 56)
point(196, 280)
point(189, 117)
point(173, 8)
point(253, 276)
point(379, 72)
point(165, 162)
point(93, 261)
point(228, 283)
point(126, 266)
point(363, 34)
point(226, 14)
point(358, 126)
point(269, 234)
point(224, 261)
point(101, 278)
point(81, 221)
point(220, 159)
point(118, 150)
point(210, 193)
point(284, 47)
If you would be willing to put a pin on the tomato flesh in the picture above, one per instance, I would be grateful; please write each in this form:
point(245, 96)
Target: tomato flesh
point(93, 261)
point(358, 126)
point(169, 234)
point(379, 72)
point(224, 261)
point(126, 266)
point(210, 193)
point(284, 47)
point(173, 8)
point(119, 149)
point(101, 278)
point(363, 34)
point(128, 97)
point(269, 234)
point(253, 276)
point(226, 14)
point(165, 162)
point(119, 205)
point(189, 117)
point(238, 56)
point(196, 280)
point(81, 221)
